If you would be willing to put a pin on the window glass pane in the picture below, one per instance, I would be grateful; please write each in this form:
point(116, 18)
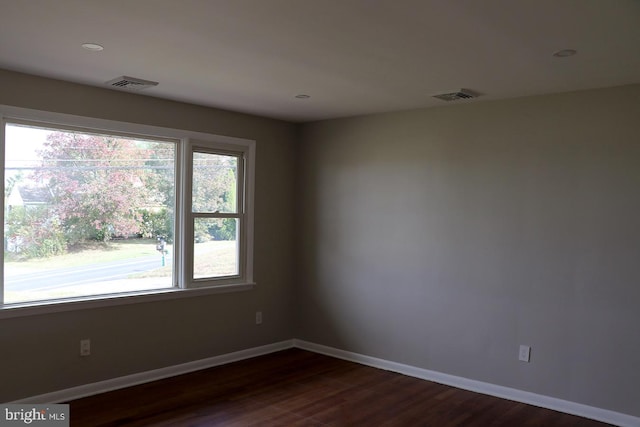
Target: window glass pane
point(214, 183)
point(83, 213)
point(215, 247)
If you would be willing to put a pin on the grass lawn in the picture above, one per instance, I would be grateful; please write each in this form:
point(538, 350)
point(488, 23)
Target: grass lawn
point(211, 259)
point(214, 258)
point(93, 253)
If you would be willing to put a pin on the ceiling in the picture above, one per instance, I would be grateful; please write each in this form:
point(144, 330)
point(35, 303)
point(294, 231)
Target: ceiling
point(351, 57)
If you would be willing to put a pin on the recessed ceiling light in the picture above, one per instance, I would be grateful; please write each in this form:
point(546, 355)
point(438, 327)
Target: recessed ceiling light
point(564, 53)
point(93, 47)
point(303, 96)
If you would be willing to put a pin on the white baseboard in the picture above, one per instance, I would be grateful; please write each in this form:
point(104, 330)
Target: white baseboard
point(604, 415)
point(153, 375)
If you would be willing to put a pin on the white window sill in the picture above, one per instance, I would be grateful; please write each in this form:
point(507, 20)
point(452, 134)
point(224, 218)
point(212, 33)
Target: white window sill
point(84, 303)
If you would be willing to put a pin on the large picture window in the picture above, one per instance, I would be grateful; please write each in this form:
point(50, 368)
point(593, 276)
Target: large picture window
point(92, 213)
point(83, 212)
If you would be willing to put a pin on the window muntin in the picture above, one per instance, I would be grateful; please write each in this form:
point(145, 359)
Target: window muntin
point(180, 257)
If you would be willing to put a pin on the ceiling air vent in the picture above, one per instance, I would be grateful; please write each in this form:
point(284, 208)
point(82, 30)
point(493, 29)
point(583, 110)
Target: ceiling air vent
point(130, 83)
point(454, 96)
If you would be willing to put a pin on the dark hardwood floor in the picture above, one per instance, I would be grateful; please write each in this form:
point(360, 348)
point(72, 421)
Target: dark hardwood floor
point(300, 388)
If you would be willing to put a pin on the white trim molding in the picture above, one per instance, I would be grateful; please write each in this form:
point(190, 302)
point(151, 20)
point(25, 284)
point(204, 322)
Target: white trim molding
point(598, 414)
point(604, 415)
point(182, 285)
point(153, 375)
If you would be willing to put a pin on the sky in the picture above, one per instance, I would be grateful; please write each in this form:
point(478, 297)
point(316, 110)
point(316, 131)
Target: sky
point(22, 144)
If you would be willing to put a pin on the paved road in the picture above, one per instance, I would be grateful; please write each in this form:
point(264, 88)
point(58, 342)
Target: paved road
point(73, 276)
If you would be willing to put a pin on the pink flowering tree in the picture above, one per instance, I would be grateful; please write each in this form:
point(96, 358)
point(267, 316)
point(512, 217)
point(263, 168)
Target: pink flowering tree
point(98, 184)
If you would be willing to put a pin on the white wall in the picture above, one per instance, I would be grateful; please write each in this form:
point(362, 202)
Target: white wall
point(444, 238)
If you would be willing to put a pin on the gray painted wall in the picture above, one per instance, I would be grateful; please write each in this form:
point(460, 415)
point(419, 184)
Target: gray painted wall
point(39, 354)
point(440, 238)
point(445, 238)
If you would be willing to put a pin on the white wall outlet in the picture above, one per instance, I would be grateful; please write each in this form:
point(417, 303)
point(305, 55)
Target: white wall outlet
point(525, 353)
point(258, 317)
point(85, 347)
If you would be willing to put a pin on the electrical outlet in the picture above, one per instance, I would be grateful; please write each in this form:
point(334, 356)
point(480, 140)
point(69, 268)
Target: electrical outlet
point(258, 317)
point(525, 353)
point(85, 347)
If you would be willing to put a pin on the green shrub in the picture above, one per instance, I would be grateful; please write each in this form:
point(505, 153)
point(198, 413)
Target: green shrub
point(157, 223)
point(33, 233)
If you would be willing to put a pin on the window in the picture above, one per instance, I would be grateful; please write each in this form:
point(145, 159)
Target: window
point(131, 210)
point(216, 214)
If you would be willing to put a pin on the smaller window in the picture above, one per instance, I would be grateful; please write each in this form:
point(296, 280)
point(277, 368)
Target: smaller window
point(217, 215)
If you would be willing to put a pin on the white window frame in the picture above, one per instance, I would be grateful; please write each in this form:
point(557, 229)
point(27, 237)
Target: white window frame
point(184, 284)
point(194, 146)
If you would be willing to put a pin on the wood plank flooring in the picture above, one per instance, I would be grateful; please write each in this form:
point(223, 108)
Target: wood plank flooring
point(299, 388)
